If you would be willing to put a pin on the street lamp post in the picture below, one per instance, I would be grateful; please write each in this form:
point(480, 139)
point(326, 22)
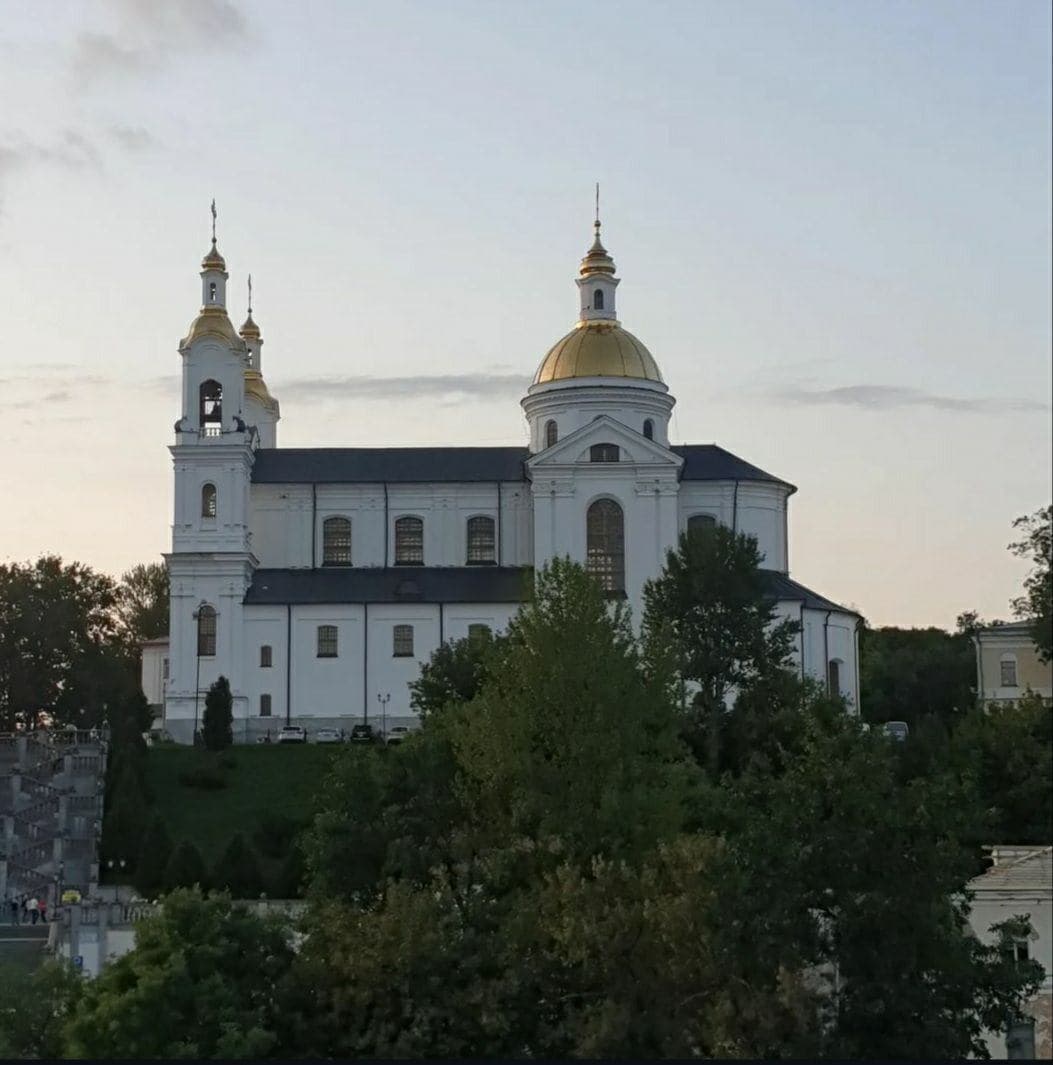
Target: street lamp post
point(383, 700)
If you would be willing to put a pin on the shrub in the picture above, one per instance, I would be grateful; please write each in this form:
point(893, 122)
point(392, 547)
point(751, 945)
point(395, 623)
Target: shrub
point(205, 777)
point(217, 728)
point(276, 832)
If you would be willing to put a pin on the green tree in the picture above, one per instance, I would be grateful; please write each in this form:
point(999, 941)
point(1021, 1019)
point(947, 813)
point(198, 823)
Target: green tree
point(154, 852)
point(204, 981)
point(566, 739)
point(185, 868)
point(34, 1009)
point(1036, 604)
point(238, 871)
point(835, 865)
point(142, 602)
point(908, 674)
point(217, 727)
point(62, 656)
point(453, 674)
point(127, 815)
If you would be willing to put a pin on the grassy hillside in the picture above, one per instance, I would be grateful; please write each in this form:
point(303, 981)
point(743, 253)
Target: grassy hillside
point(265, 782)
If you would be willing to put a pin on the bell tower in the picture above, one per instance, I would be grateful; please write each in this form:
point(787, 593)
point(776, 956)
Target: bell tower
point(211, 563)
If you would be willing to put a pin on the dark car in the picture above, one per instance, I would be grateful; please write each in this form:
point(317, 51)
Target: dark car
point(362, 734)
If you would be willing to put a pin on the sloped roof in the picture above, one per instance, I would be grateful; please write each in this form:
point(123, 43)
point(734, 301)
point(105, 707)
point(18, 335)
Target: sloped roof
point(1031, 871)
point(401, 584)
point(434, 465)
point(779, 586)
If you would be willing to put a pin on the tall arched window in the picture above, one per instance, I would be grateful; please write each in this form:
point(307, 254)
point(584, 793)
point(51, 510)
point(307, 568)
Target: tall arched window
point(551, 432)
point(210, 407)
point(648, 428)
point(212, 292)
point(336, 542)
point(208, 501)
point(597, 300)
point(327, 641)
point(833, 676)
point(409, 542)
point(206, 631)
point(402, 641)
point(481, 541)
point(700, 523)
point(605, 544)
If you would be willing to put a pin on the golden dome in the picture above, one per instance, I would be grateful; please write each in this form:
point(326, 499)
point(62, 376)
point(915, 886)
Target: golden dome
point(213, 260)
point(597, 349)
point(249, 329)
point(212, 321)
point(597, 259)
point(256, 387)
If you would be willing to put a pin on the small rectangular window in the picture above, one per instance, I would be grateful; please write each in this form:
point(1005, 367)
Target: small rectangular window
point(164, 669)
point(478, 632)
point(402, 641)
point(1021, 950)
point(265, 706)
point(604, 453)
point(327, 647)
point(1009, 673)
point(265, 656)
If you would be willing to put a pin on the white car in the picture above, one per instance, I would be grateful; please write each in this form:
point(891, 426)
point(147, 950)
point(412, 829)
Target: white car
point(328, 735)
point(292, 734)
point(396, 734)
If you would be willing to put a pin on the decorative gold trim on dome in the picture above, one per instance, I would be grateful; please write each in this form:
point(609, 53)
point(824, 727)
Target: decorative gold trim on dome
point(598, 349)
point(597, 259)
point(249, 329)
point(213, 260)
point(213, 321)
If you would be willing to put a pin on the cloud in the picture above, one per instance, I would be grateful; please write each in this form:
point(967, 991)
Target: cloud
point(892, 397)
point(149, 33)
point(70, 149)
point(134, 138)
point(481, 385)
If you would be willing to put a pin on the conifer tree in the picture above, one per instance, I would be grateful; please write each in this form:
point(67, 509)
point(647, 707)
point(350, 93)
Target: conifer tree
point(217, 728)
point(154, 852)
point(185, 868)
point(238, 871)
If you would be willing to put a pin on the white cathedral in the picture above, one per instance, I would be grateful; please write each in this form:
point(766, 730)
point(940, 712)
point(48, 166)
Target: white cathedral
point(319, 580)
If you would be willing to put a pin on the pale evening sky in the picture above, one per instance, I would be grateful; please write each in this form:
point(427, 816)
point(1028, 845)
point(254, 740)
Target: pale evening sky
point(832, 222)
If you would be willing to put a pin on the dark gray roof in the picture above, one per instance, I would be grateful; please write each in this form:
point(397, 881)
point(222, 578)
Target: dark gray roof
point(707, 462)
point(402, 584)
point(416, 465)
point(429, 465)
point(781, 587)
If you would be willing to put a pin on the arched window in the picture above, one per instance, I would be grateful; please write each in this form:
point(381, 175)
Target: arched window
point(208, 501)
point(648, 428)
point(604, 453)
point(605, 544)
point(698, 523)
point(206, 631)
point(1008, 670)
point(481, 541)
point(266, 656)
point(212, 292)
point(551, 433)
point(327, 641)
point(833, 676)
point(597, 300)
point(409, 542)
point(210, 407)
point(265, 705)
point(402, 641)
point(336, 542)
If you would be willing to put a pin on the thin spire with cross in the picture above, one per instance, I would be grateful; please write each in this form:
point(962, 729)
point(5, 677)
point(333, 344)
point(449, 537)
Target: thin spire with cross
point(597, 222)
point(213, 219)
point(250, 295)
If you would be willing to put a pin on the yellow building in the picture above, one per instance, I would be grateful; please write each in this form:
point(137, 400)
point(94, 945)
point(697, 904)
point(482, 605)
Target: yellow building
point(1008, 665)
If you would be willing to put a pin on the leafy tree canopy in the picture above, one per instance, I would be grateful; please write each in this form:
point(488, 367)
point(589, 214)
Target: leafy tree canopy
point(142, 602)
point(1036, 604)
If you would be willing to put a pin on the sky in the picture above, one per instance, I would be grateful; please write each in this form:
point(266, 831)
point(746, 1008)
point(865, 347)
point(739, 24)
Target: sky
point(832, 222)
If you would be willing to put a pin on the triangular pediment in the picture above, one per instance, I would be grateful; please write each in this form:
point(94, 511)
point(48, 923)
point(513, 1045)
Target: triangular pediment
point(576, 448)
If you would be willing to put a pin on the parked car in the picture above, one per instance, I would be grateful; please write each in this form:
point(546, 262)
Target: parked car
point(362, 734)
point(396, 734)
point(897, 730)
point(328, 735)
point(292, 734)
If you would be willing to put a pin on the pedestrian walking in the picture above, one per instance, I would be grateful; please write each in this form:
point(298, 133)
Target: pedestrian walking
point(14, 905)
point(31, 909)
point(42, 907)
